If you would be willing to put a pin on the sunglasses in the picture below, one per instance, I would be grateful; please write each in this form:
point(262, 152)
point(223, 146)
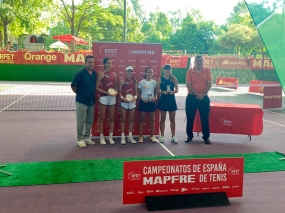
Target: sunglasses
point(129, 70)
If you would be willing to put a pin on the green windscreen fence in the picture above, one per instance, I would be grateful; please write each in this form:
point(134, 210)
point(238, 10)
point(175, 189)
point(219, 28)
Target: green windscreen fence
point(269, 18)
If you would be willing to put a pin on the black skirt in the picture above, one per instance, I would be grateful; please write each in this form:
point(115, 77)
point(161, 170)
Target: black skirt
point(147, 107)
point(167, 103)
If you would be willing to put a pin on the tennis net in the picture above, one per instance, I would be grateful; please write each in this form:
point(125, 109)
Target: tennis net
point(31, 96)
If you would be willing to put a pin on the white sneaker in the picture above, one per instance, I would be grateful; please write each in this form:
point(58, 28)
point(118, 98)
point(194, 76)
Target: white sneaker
point(81, 144)
point(123, 140)
point(153, 139)
point(131, 140)
point(102, 141)
point(111, 141)
point(161, 139)
point(174, 139)
point(89, 141)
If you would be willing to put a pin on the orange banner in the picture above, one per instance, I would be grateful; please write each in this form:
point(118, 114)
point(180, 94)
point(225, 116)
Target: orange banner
point(42, 57)
point(225, 62)
point(259, 64)
point(174, 61)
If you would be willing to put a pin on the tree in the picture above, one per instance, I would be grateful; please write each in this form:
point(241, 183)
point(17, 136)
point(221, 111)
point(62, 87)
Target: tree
point(157, 29)
point(238, 37)
point(25, 16)
point(76, 15)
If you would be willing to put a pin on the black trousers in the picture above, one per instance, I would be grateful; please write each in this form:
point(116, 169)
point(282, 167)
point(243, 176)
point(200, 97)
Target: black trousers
point(203, 106)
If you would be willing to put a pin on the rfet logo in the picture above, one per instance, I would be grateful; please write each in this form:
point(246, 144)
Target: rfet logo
point(107, 51)
point(233, 171)
point(226, 122)
point(134, 176)
point(174, 62)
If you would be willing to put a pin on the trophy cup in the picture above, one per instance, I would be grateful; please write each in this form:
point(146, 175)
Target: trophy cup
point(149, 97)
point(112, 91)
point(129, 97)
point(168, 90)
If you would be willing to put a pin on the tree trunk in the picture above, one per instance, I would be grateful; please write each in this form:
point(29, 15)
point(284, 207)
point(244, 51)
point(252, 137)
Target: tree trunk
point(5, 28)
point(1, 39)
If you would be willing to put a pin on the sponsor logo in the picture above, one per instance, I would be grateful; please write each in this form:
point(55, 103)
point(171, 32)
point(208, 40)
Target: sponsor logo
point(162, 191)
point(215, 187)
point(184, 189)
point(233, 171)
point(141, 52)
point(140, 192)
point(221, 82)
point(235, 187)
point(133, 61)
point(106, 51)
point(205, 188)
point(174, 190)
point(142, 61)
point(173, 61)
point(272, 96)
point(226, 187)
point(226, 122)
point(149, 191)
point(131, 193)
point(121, 65)
point(152, 61)
point(195, 189)
point(121, 61)
point(134, 176)
point(258, 63)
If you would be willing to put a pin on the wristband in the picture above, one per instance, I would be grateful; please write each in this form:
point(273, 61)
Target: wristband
point(122, 97)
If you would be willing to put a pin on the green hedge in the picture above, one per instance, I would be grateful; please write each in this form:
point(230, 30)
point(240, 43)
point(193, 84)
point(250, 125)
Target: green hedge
point(64, 73)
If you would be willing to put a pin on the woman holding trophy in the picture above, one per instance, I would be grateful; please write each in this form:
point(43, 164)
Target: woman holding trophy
point(147, 95)
point(128, 93)
point(167, 86)
point(107, 86)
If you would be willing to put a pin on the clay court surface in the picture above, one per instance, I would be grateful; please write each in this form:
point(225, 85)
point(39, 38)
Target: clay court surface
point(32, 136)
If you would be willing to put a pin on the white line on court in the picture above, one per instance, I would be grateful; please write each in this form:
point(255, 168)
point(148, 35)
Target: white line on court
point(274, 123)
point(166, 149)
point(16, 101)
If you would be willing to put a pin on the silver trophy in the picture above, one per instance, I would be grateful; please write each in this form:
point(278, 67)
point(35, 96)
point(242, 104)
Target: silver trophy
point(168, 90)
point(149, 97)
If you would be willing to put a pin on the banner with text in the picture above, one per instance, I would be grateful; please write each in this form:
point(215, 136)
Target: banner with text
point(174, 61)
point(188, 176)
point(77, 58)
point(226, 62)
point(139, 56)
point(42, 57)
point(231, 83)
point(272, 97)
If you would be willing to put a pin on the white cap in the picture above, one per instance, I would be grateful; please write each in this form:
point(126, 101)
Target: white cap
point(129, 68)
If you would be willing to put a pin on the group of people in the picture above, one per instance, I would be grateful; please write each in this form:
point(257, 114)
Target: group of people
point(86, 81)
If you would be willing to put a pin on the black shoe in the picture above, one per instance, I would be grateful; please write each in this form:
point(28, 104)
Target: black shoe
point(188, 140)
point(207, 141)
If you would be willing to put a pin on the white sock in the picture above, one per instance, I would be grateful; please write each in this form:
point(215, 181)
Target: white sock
point(130, 134)
point(111, 134)
point(123, 135)
point(101, 136)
